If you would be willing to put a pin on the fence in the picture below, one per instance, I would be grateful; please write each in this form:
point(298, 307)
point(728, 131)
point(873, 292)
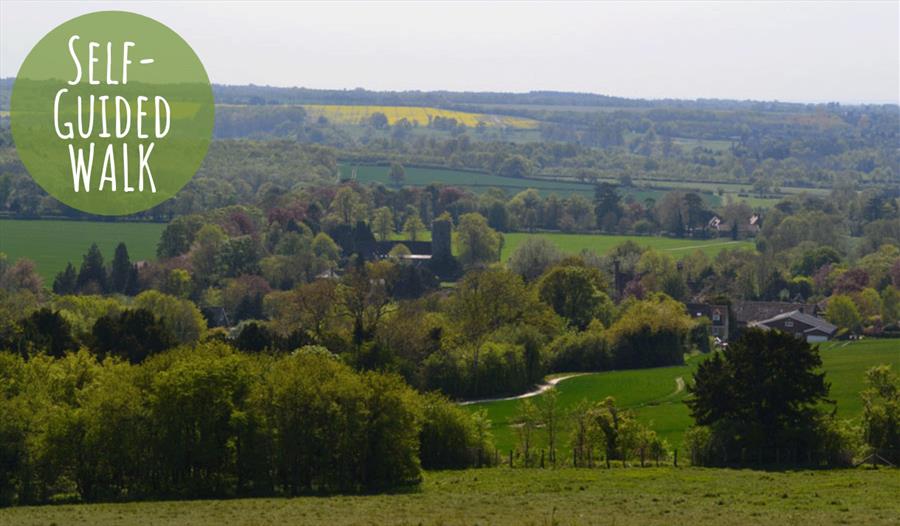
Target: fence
point(762, 458)
point(586, 459)
point(791, 457)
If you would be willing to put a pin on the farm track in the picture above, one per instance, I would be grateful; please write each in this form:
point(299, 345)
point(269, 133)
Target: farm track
point(692, 247)
point(549, 384)
point(544, 387)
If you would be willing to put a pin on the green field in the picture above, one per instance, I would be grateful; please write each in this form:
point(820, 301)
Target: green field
point(846, 362)
point(656, 400)
point(536, 497)
point(53, 243)
point(480, 182)
point(643, 189)
point(575, 243)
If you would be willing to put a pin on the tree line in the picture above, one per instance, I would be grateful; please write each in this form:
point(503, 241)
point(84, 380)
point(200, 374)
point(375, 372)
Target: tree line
point(206, 421)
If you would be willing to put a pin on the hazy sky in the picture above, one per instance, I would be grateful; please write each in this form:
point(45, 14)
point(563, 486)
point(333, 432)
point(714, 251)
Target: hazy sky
point(790, 51)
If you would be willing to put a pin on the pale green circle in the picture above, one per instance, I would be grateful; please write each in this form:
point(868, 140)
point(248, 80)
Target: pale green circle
point(175, 74)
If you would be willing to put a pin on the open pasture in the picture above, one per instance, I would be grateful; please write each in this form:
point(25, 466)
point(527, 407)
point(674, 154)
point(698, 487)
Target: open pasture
point(657, 396)
point(53, 243)
point(537, 497)
point(575, 243)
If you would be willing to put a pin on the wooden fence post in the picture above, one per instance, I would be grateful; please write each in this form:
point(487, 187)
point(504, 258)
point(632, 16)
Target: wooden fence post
point(542, 459)
point(642, 457)
point(510, 458)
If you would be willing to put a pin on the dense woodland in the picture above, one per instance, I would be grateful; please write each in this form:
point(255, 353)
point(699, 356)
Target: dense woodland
point(266, 308)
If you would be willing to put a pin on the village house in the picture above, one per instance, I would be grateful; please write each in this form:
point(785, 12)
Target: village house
point(716, 314)
point(721, 228)
point(746, 312)
point(805, 326)
point(727, 321)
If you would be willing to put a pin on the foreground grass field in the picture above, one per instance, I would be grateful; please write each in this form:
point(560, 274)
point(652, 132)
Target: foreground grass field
point(51, 243)
point(575, 243)
point(657, 398)
point(534, 497)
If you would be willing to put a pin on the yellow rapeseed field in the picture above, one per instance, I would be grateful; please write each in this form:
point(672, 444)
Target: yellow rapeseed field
point(342, 114)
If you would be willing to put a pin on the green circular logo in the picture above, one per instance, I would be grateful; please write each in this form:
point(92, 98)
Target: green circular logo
point(112, 113)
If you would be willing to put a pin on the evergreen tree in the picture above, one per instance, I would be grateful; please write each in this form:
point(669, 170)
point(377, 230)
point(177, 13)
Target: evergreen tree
point(607, 201)
point(66, 281)
point(92, 274)
point(133, 287)
point(120, 273)
point(747, 406)
point(679, 225)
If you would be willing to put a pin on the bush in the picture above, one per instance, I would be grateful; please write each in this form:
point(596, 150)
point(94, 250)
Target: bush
point(450, 437)
point(501, 370)
point(13, 451)
point(498, 368)
point(698, 442)
point(443, 371)
point(882, 411)
point(651, 333)
point(580, 351)
point(841, 441)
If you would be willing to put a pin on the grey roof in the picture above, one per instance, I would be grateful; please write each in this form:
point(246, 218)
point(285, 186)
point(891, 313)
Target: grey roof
point(814, 322)
point(750, 311)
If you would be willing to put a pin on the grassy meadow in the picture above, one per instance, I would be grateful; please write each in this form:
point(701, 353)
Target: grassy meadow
point(535, 497)
point(574, 243)
point(53, 243)
point(655, 397)
point(846, 362)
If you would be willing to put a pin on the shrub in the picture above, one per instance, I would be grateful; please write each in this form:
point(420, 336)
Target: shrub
point(580, 351)
point(450, 437)
point(651, 333)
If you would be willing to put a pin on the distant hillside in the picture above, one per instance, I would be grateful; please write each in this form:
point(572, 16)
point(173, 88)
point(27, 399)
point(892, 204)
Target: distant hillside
point(253, 94)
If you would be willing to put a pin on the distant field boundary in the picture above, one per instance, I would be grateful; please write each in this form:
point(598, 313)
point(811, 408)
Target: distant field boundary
point(93, 219)
point(426, 166)
point(644, 183)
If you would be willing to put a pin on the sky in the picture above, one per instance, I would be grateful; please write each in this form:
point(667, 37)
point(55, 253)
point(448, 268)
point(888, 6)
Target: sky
point(846, 52)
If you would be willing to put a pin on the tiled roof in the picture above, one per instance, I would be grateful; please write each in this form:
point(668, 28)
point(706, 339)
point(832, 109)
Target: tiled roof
point(814, 322)
point(748, 311)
